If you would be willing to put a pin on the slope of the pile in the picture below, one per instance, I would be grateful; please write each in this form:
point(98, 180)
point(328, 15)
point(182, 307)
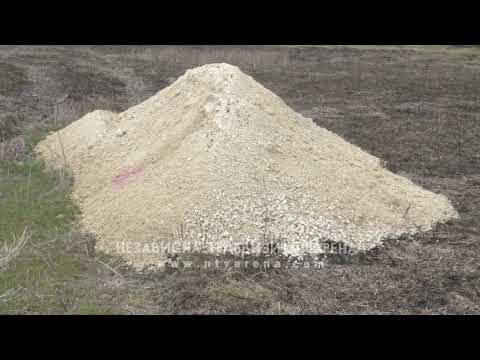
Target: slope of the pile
point(217, 161)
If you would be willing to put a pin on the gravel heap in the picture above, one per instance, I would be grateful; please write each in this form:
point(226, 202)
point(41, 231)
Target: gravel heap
point(216, 162)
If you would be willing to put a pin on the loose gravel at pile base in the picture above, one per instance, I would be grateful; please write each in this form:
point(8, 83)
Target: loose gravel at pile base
point(216, 161)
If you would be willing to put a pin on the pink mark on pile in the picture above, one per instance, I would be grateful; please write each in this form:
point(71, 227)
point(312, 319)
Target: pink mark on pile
point(125, 176)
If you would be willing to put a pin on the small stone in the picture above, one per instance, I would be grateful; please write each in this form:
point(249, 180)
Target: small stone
point(120, 133)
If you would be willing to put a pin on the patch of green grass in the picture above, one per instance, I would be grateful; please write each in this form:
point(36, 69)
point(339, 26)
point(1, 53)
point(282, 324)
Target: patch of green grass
point(51, 273)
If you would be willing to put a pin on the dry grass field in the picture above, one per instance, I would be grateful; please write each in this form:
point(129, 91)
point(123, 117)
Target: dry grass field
point(416, 107)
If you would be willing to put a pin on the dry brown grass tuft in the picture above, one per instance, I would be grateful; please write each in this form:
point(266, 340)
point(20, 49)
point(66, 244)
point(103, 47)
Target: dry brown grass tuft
point(8, 252)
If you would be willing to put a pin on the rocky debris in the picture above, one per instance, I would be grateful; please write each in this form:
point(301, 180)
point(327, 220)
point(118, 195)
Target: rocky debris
point(216, 162)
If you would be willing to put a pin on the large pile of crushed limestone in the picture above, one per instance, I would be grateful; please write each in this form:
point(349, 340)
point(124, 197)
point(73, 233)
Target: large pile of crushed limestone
point(216, 161)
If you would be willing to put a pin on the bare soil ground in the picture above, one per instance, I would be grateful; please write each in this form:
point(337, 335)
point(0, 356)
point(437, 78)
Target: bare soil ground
point(418, 109)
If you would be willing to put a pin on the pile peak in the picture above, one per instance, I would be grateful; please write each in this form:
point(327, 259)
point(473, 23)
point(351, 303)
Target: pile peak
point(217, 161)
point(217, 73)
point(220, 68)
